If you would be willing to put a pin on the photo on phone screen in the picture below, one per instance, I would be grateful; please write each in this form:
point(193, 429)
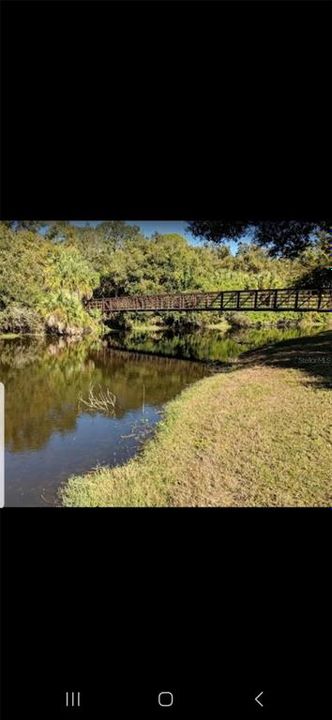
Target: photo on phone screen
point(166, 363)
point(166, 360)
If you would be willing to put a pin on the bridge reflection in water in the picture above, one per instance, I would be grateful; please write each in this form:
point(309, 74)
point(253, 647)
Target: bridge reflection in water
point(300, 300)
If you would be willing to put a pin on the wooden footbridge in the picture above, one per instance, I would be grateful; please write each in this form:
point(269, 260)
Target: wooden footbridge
point(277, 300)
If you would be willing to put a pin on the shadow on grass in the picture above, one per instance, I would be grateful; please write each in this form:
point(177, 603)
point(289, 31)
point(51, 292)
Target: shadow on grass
point(311, 353)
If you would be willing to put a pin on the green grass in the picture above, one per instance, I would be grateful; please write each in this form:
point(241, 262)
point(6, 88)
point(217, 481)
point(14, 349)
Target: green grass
point(9, 336)
point(146, 327)
point(258, 435)
point(222, 325)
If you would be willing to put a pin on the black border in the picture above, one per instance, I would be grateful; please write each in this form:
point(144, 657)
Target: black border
point(167, 110)
point(265, 155)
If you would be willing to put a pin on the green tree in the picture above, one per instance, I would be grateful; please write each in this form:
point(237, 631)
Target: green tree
point(69, 270)
point(46, 278)
point(286, 238)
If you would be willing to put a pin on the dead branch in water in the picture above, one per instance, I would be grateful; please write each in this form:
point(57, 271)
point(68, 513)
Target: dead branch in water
point(103, 401)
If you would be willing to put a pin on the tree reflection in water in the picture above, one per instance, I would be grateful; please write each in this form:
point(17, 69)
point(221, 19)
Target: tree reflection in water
point(50, 434)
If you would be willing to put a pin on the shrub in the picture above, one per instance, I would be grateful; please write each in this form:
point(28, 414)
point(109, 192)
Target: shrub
point(65, 315)
point(120, 321)
point(20, 319)
point(182, 321)
point(238, 319)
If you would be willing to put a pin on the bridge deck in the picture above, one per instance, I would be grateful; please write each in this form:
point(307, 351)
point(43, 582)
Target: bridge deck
point(299, 300)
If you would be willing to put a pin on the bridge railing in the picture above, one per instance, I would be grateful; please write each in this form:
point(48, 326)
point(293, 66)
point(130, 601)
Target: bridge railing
point(275, 299)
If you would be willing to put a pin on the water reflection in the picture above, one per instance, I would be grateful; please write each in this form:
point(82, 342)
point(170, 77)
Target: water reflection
point(49, 434)
point(205, 346)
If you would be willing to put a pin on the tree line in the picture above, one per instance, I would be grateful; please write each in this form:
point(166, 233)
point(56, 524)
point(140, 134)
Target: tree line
point(48, 268)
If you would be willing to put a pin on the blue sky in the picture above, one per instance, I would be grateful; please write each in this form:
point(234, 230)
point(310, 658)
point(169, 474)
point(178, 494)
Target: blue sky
point(148, 227)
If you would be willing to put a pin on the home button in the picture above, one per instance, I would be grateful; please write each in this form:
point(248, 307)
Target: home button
point(165, 699)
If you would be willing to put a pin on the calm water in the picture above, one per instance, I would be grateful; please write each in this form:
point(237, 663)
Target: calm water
point(50, 434)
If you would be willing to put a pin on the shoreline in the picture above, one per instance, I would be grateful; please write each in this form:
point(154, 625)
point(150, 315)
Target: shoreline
point(235, 438)
point(224, 326)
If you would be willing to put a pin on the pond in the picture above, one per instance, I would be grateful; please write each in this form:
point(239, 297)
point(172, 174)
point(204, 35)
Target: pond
point(50, 431)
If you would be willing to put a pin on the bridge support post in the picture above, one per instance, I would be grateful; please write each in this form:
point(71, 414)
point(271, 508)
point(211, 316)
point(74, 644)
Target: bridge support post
point(319, 299)
point(296, 299)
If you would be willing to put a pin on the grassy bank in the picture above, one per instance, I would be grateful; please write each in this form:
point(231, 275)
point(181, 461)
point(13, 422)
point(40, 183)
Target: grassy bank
point(225, 321)
point(259, 434)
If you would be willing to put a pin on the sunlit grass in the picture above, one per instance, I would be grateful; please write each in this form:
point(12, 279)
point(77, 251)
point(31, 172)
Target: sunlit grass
point(259, 435)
